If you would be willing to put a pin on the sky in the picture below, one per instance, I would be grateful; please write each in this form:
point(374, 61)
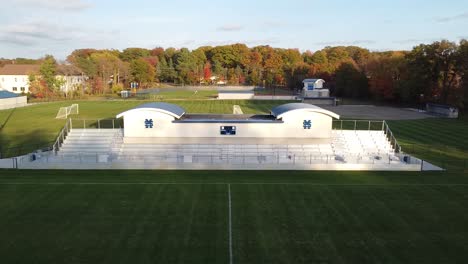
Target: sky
point(33, 28)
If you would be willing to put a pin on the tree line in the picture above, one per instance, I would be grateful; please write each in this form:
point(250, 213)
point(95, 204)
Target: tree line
point(435, 72)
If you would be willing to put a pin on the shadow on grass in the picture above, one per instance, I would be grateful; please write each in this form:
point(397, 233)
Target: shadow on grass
point(7, 119)
point(27, 143)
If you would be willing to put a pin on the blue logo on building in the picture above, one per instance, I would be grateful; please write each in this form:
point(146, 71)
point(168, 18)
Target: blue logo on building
point(307, 124)
point(148, 123)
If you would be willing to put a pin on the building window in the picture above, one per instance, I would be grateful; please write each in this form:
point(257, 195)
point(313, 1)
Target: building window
point(16, 79)
point(3, 79)
point(227, 130)
point(15, 89)
point(22, 89)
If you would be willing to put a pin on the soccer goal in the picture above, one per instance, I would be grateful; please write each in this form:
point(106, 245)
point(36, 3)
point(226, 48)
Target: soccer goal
point(64, 112)
point(237, 110)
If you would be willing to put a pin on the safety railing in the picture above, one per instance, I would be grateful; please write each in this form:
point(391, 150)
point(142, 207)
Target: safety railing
point(369, 125)
point(97, 123)
point(180, 158)
point(62, 135)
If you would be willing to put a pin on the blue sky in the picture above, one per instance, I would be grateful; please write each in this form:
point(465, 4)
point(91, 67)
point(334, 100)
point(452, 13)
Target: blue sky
point(33, 28)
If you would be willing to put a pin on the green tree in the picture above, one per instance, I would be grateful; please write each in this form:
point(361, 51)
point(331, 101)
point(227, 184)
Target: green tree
point(131, 54)
point(350, 82)
point(142, 71)
point(48, 71)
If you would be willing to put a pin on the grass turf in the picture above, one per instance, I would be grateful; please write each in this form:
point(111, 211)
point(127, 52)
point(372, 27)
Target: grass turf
point(277, 217)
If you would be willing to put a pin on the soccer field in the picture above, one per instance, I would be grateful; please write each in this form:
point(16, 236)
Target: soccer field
point(274, 217)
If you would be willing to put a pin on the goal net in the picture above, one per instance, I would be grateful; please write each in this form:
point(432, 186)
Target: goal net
point(237, 110)
point(64, 112)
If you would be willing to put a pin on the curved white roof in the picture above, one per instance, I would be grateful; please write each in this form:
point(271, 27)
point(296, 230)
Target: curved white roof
point(170, 109)
point(280, 110)
point(312, 80)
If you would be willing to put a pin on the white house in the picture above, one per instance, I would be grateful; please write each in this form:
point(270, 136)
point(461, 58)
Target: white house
point(314, 88)
point(73, 78)
point(15, 77)
point(168, 122)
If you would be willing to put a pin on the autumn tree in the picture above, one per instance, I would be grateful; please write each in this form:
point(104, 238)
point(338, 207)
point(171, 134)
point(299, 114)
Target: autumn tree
point(48, 70)
point(131, 54)
point(142, 72)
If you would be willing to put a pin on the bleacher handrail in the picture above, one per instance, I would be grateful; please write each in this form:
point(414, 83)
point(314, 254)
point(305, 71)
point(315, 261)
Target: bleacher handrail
point(371, 125)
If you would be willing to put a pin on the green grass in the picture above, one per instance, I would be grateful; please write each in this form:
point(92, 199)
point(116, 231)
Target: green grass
point(183, 95)
point(441, 141)
point(277, 217)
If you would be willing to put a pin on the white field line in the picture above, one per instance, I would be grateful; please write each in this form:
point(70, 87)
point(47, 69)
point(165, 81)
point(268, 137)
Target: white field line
point(230, 224)
point(240, 183)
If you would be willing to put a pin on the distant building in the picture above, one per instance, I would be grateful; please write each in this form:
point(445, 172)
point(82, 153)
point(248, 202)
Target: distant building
point(314, 93)
point(15, 77)
point(314, 88)
point(73, 77)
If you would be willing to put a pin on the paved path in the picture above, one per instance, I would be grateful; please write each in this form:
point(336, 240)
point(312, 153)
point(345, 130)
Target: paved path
point(376, 112)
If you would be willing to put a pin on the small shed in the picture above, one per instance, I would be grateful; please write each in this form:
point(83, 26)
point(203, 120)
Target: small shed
point(312, 84)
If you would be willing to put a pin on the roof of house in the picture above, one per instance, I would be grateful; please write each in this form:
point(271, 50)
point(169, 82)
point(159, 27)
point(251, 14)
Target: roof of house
point(313, 80)
point(170, 109)
point(280, 110)
point(19, 69)
point(68, 70)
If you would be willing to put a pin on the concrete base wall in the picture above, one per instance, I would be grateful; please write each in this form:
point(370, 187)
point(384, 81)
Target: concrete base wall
point(192, 166)
point(276, 97)
point(236, 95)
point(14, 102)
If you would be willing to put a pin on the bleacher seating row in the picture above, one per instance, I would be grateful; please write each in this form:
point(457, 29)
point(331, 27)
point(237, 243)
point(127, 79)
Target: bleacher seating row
point(345, 143)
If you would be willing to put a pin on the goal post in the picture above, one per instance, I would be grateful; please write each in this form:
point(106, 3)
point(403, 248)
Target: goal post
point(237, 110)
point(64, 112)
point(74, 110)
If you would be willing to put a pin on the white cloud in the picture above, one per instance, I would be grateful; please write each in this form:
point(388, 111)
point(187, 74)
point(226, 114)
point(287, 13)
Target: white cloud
point(338, 43)
point(34, 33)
point(66, 5)
point(231, 28)
point(461, 16)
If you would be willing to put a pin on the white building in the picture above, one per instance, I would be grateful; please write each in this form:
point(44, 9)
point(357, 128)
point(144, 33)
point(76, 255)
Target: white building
point(73, 78)
point(168, 122)
point(314, 88)
point(15, 77)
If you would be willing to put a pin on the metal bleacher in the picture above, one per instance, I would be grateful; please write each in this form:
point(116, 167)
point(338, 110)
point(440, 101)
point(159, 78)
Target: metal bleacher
point(86, 145)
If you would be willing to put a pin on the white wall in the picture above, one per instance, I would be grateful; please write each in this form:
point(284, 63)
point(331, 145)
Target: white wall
point(236, 96)
point(8, 103)
point(164, 127)
point(9, 82)
point(71, 82)
point(317, 93)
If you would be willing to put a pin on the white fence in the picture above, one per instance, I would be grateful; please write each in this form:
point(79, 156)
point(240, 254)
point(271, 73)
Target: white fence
point(14, 102)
